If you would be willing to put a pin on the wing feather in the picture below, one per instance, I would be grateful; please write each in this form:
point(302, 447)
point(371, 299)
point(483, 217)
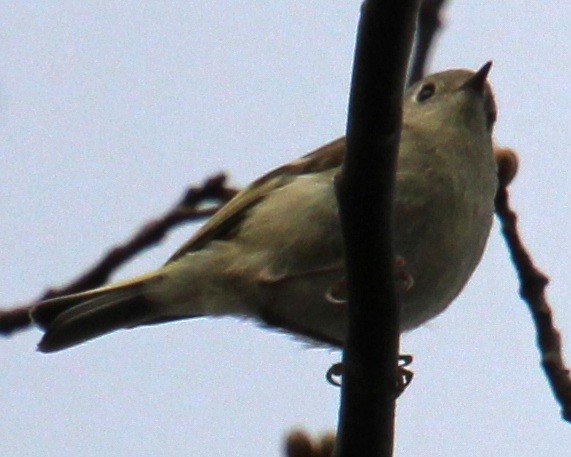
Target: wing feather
point(228, 218)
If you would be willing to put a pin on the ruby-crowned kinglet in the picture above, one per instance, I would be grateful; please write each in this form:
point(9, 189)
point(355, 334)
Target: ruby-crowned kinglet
point(275, 251)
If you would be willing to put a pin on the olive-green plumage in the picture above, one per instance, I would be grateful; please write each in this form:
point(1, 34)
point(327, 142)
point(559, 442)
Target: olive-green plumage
point(275, 252)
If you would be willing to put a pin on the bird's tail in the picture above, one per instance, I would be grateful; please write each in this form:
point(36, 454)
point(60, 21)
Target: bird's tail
point(73, 319)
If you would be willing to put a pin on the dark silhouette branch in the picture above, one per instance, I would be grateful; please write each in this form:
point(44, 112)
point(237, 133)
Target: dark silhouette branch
point(365, 195)
point(429, 24)
point(532, 289)
point(189, 208)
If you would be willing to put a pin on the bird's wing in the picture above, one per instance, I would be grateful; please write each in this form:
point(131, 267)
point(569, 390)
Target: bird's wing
point(230, 215)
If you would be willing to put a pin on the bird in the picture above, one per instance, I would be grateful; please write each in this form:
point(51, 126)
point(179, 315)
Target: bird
point(274, 253)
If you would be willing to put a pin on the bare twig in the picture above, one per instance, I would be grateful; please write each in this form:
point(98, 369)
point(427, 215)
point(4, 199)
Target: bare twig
point(429, 24)
point(532, 290)
point(299, 443)
point(365, 195)
point(189, 208)
point(12, 320)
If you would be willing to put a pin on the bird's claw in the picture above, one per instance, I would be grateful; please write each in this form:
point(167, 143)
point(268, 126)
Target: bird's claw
point(335, 373)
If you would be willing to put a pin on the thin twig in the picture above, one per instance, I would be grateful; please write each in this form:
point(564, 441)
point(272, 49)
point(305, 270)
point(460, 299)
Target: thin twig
point(429, 24)
point(299, 443)
point(214, 190)
point(532, 289)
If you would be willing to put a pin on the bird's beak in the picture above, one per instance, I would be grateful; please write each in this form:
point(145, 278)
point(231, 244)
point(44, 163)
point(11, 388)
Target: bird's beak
point(477, 81)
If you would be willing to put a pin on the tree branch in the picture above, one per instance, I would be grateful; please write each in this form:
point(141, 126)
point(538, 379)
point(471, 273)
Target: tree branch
point(365, 195)
point(532, 289)
point(429, 24)
point(189, 208)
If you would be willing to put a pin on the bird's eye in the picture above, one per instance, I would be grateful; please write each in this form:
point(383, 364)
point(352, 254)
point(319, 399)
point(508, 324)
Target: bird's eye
point(425, 92)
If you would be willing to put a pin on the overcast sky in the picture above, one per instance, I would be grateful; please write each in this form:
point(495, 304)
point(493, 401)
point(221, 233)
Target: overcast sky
point(108, 110)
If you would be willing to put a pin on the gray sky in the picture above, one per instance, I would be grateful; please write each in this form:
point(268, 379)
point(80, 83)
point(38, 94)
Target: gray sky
point(108, 111)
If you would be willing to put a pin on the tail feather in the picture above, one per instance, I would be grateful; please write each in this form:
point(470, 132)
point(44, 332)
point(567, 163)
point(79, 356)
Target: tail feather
point(95, 317)
point(46, 312)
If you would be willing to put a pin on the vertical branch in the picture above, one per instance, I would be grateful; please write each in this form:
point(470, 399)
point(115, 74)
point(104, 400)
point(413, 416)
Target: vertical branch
point(365, 194)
